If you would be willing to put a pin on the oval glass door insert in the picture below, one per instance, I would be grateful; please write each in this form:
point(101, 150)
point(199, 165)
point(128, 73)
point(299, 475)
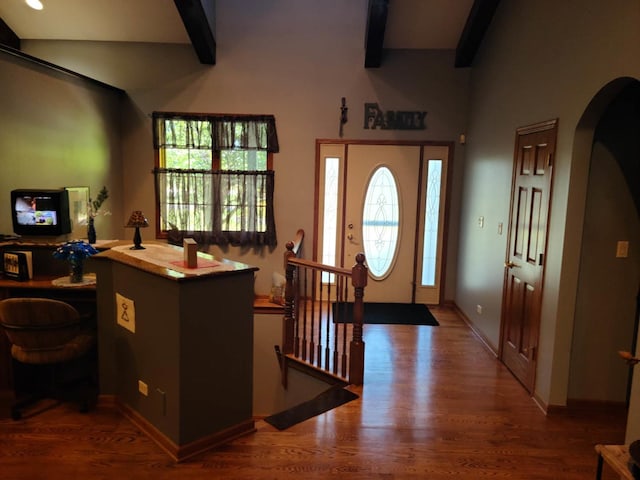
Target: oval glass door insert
point(380, 222)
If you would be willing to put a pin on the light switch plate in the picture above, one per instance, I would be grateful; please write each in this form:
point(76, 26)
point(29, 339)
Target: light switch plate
point(622, 249)
point(143, 388)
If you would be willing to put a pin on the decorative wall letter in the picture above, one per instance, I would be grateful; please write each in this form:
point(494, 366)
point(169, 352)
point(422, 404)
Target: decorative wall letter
point(374, 118)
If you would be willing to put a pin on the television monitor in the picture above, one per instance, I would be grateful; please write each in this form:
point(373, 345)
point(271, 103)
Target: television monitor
point(40, 212)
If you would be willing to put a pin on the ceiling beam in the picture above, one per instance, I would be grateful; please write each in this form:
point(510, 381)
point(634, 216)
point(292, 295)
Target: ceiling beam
point(374, 35)
point(8, 37)
point(477, 24)
point(198, 17)
point(6, 50)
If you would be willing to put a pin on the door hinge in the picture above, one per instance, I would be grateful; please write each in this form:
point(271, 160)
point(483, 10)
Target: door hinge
point(549, 159)
point(541, 259)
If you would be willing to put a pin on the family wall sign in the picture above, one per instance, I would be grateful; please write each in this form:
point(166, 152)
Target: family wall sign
point(375, 117)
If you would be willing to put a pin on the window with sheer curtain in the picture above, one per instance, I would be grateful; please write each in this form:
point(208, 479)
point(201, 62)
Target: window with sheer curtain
point(214, 178)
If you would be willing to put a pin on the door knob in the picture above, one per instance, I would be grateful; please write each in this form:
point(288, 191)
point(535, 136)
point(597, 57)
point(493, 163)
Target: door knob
point(350, 236)
point(511, 265)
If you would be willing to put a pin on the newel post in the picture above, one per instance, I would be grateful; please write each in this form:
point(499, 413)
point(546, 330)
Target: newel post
point(289, 299)
point(359, 275)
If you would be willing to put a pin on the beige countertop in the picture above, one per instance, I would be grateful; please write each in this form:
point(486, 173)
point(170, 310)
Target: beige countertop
point(168, 261)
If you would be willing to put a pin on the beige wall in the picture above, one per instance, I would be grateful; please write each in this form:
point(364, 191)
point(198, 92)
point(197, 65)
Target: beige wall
point(296, 66)
point(540, 60)
point(607, 287)
point(57, 132)
point(269, 396)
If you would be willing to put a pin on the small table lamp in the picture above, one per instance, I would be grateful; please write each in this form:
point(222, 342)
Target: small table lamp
point(137, 220)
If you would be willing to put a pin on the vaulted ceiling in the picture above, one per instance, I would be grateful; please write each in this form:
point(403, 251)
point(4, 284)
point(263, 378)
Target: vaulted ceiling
point(477, 15)
point(390, 24)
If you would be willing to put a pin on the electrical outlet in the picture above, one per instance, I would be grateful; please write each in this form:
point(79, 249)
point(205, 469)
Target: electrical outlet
point(143, 388)
point(479, 309)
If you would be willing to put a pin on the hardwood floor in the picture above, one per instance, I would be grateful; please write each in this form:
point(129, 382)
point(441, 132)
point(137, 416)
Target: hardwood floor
point(435, 404)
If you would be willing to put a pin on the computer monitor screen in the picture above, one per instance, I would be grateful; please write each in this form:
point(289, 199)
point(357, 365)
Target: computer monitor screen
point(40, 212)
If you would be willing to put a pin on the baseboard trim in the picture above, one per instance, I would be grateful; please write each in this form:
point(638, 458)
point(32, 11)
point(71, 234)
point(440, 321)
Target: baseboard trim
point(107, 401)
point(577, 405)
point(545, 408)
point(485, 341)
point(178, 453)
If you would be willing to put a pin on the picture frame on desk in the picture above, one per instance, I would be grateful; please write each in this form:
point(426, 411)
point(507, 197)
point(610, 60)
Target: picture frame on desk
point(17, 265)
point(78, 211)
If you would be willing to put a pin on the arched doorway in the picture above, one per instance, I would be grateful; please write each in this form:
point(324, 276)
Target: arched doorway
point(606, 315)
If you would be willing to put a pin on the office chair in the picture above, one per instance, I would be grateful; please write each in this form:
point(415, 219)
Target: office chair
point(53, 350)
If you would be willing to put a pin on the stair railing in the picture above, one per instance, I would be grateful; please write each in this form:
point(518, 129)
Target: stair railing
point(323, 317)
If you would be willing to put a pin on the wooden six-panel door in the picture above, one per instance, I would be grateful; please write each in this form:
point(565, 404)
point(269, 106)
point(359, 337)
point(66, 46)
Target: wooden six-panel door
point(524, 265)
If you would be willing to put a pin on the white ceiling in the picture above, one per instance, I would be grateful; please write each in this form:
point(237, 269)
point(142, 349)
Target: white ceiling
point(421, 24)
point(99, 20)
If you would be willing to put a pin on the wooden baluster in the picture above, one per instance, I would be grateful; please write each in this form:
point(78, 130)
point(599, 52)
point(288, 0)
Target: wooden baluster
point(312, 326)
point(327, 339)
point(344, 333)
point(289, 298)
point(301, 316)
point(336, 324)
point(298, 302)
point(305, 298)
point(359, 275)
point(323, 308)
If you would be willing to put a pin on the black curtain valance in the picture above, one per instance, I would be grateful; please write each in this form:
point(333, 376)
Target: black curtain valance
point(217, 132)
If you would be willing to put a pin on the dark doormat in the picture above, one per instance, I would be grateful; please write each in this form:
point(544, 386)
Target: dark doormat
point(386, 313)
point(328, 400)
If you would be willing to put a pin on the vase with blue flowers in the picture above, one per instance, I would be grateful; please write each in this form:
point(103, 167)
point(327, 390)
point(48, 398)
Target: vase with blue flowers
point(75, 253)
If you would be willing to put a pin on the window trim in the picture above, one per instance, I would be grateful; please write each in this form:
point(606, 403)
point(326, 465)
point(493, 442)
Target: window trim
point(271, 147)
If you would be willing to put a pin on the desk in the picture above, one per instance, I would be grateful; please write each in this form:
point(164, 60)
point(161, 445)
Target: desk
point(45, 269)
point(83, 298)
point(617, 457)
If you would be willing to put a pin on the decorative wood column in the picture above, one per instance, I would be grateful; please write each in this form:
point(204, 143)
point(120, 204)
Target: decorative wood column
point(289, 299)
point(356, 350)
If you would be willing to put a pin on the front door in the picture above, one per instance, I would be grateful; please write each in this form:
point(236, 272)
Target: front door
point(386, 200)
point(524, 265)
point(381, 201)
